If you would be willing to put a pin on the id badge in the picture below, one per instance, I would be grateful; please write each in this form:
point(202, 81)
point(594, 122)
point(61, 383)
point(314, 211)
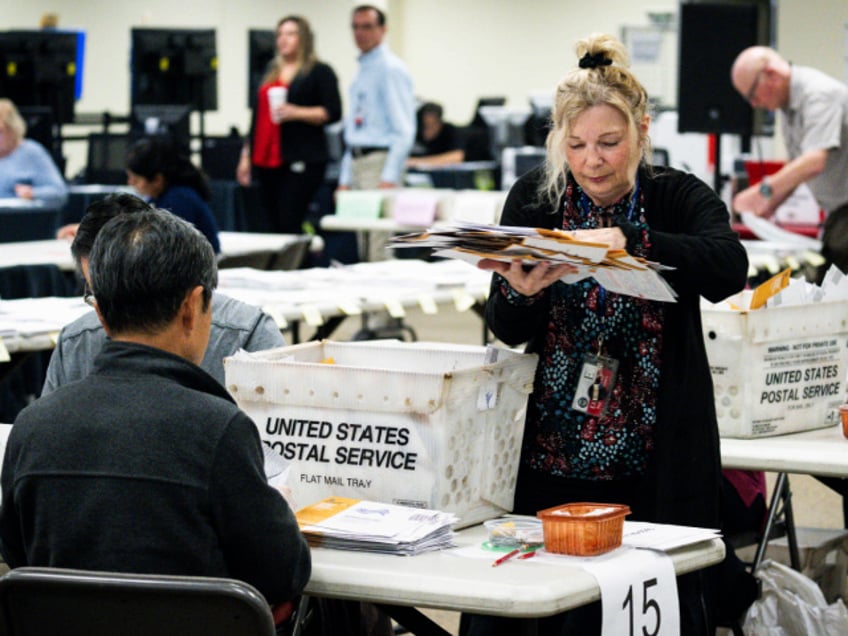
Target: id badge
point(595, 384)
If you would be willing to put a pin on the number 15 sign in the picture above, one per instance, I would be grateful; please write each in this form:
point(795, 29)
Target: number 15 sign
point(638, 593)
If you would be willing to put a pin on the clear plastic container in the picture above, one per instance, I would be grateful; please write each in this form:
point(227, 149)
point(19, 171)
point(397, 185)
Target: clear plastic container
point(513, 533)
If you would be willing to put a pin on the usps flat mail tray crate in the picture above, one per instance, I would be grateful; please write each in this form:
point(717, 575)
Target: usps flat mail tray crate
point(424, 424)
point(777, 370)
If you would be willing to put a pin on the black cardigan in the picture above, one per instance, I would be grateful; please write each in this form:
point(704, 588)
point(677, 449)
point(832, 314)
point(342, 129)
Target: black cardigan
point(301, 141)
point(690, 231)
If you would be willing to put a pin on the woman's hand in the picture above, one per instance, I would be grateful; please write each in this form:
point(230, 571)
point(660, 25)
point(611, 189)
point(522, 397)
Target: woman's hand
point(312, 115)
point(528, 282)
point(67, 232)
point(24, 191)
point(612, 236)
point(287, 112)
point(243, 171)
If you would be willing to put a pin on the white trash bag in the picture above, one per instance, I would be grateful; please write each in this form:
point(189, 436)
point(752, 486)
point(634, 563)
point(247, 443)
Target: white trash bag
point(792, 605)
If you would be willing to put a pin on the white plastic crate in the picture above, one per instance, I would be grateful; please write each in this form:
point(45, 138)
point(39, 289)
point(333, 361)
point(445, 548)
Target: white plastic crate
point(777, 370)
point(424, 424)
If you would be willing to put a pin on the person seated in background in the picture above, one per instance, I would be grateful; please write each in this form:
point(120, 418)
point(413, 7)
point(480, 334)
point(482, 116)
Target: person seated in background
point(165, 177)
point(147, 465)
point(235, 325)
point(27, 170)
point(162, 175)
point(437, 142)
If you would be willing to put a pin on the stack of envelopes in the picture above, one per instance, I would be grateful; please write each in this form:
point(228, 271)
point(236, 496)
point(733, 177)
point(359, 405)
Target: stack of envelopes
point(615, 270)
point(371, 526)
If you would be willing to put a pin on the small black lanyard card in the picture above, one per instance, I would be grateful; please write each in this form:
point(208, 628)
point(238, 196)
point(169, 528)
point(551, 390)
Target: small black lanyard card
point(594, 386)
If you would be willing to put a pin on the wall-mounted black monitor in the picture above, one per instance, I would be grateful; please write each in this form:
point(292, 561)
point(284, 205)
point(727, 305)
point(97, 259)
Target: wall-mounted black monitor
point(262, 47)
point(40, 68)
point(174, 66)
point(707, 102)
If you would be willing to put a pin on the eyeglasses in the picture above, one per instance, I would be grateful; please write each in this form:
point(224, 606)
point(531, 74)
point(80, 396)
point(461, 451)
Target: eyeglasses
point(88, 296)
point(750, 94)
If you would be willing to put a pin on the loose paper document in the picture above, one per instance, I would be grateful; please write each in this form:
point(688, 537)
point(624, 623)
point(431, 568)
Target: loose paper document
point(768, 231)
point(664, 536)
point(615, 270)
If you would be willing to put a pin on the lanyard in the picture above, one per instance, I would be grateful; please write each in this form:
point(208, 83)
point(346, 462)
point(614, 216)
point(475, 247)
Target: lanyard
point(602, 293)
point(602, 304)
point(634, 198)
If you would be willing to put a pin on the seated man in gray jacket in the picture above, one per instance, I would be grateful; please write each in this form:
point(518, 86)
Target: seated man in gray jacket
point(235, 325)
point(147, 465)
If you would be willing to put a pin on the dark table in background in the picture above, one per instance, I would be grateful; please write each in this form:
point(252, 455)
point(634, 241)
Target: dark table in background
point(80, 196)
point(28, 221)
point(22, 378)
point(468, 175)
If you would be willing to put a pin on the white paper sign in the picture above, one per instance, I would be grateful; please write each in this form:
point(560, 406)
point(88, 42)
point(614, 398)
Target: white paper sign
point(638, 593)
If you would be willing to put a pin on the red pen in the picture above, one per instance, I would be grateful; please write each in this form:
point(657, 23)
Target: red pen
point(527, 555)
point(508, 555)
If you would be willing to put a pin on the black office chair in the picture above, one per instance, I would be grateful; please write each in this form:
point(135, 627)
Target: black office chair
point(82, 603)
point(292, 256)
point(257, 260)
point(477, 120)
point(107, 158)
point(220, 155)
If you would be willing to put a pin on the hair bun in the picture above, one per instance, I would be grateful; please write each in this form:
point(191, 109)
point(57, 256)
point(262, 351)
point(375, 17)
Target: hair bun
point(594, 61)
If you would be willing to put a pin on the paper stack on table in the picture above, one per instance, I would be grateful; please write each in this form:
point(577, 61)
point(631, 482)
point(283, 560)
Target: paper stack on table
point(27, 317)
point(664, 536)
point(615, 270)
point(369, 526)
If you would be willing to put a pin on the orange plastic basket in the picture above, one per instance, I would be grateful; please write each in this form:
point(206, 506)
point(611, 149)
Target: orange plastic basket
point(583, 529)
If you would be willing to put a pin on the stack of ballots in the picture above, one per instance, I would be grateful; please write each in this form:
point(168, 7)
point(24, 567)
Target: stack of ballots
point(369, 526)
point(616, 270)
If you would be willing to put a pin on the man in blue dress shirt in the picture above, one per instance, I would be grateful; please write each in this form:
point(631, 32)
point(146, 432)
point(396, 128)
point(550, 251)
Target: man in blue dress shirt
point(380, 123)
point(379, 128)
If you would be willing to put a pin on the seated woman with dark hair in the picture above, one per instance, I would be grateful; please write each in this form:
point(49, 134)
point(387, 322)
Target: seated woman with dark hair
point(166, 178)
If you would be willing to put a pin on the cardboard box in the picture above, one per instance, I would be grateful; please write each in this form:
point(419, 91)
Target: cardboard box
point(777, 370)
point(425, 424)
